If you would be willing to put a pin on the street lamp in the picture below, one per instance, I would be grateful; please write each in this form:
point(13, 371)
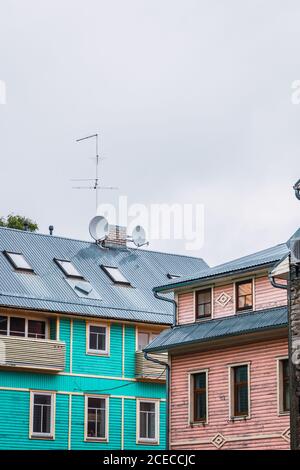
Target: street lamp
point(297, 189)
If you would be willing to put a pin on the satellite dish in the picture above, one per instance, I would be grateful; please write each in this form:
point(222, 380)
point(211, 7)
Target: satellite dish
point(98, 228)
point(139, 236)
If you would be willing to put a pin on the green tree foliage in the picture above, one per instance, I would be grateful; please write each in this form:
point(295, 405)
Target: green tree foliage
point(18, 222)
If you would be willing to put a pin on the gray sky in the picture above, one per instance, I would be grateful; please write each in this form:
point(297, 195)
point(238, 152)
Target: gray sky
point(192, 99)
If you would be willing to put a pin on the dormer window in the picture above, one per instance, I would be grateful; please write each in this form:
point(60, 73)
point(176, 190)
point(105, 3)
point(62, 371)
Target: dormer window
point(244, 295)
point(68, 268)
point(18, 261)
point(115, 275)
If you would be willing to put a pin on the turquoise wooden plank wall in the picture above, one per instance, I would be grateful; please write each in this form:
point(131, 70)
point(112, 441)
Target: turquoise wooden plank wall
point(115, 382)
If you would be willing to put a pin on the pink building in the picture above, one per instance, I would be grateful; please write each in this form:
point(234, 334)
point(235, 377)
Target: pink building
point(228, 350)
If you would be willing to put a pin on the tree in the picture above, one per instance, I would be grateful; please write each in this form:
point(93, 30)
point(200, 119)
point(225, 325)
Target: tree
point(18, 222)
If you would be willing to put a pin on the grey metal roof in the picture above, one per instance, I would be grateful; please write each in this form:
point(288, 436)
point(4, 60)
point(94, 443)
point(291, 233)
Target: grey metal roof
point(205, 331)
point(48, 289)
point(254, 260)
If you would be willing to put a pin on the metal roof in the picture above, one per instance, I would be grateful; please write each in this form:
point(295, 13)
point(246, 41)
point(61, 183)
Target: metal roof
point(209, 330)
point(48, 290)
point(254, 260)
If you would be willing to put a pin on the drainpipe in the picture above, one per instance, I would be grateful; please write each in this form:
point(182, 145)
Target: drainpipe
point(275, 284)
point(166, 365)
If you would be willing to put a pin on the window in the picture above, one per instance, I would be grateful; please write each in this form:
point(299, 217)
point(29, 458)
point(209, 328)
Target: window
point(42, 414)
point(244, 295)
point(68, 268)
point(284, 385)
point(98, 339)
point(96, 418)
point(203, 304)
point(148, 421)
point(199, 397)
point(36, 329)
point(144, 338)
point(240, 391)
point(18, 326)
point(18, 261)
point(3, 325)
point(115, 275)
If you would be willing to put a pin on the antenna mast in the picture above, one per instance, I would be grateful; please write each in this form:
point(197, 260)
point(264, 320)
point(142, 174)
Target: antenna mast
point(96, 186)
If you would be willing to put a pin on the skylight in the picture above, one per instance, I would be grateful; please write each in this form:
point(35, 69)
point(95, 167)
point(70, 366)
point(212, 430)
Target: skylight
point(68, 268)
point(172, 276)
point(18, 261)
point(115, 274)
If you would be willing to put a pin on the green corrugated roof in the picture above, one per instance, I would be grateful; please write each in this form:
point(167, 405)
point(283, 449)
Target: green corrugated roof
point(205, 331)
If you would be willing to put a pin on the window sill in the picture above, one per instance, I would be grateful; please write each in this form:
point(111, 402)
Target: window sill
point(198, 423)
point(95, 439)
point(95, 353)
point(43, 438)
point(284, 413)
point(147, 442)
point(240, 418)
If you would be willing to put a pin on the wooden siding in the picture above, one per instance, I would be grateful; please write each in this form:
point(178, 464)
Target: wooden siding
point(97, 375)
point(31, 353)
point(265, 296)
point(264, 428)
point(149, 370)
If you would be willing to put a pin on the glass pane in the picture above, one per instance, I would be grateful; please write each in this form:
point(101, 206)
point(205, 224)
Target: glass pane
point(245, 289)
point(93, 341)
point(19, 261)
point(97, 338)
point(204, 297)
point(242, 400)
point(146, 406)
point(91, 431)
point(42, 399)
point(241, 374)
point(143, 425)
point(116, 274)
point(98, 329)
point(96, 403)
point(37, 418)
point(151, 425)
point(3, 325)
point(17, 326)
point(143, 340)
point(200, 406)
point(101, 423)
point(68, 268)
point(46, 424)
point(200, 380)
point(36, 329)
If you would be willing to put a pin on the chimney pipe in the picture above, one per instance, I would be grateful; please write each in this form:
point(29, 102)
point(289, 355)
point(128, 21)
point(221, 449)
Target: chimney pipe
point(51, 228)
point(26, 226)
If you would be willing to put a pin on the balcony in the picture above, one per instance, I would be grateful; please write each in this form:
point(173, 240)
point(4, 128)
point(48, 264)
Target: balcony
point(148, 370)
point(31, 353)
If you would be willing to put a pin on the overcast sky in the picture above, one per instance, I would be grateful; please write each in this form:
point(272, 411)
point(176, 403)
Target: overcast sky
point(192, 99)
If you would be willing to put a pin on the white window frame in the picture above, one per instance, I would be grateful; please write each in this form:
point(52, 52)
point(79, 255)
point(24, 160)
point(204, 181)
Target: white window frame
point(9, 315)
point(191, 421)
point(96, 352)
point(28, 269)
point(51, 435)
point(232, 417)
point(59, 262)
point(96, 439)
point(123, 282)
point(196, 320)
point(148, 332)
point(280, 411)
point(142, 440)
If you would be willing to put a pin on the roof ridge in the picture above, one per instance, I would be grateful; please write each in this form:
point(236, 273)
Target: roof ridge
point(47, 235)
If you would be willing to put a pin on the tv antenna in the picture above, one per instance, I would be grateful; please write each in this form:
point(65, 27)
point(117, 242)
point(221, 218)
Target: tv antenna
point(95, 186)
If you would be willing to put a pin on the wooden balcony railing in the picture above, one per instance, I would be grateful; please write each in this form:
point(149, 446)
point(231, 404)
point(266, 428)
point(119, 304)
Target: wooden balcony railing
point(148, 370)
point(31, 353)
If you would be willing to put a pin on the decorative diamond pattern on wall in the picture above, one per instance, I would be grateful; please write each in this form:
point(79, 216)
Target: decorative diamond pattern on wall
point(286, 434)
point(218, 441)
point(223, 299)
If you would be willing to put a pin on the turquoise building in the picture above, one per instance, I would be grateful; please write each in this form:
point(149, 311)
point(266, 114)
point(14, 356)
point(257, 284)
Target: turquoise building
point(74, 318)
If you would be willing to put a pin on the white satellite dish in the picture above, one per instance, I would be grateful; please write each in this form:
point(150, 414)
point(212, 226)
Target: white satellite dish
point(139, 236)
point(98, 228)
